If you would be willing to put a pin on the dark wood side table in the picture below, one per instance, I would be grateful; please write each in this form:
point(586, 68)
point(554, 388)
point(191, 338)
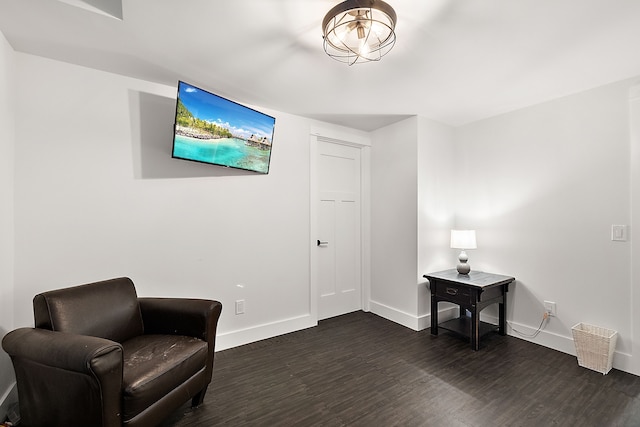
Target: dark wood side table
point(473, 292)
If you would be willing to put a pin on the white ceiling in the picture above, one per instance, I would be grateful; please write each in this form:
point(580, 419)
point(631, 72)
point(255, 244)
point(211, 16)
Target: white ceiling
point(455, 61)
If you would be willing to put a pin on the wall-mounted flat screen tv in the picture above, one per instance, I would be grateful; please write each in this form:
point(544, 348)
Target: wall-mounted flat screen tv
point(212, 129)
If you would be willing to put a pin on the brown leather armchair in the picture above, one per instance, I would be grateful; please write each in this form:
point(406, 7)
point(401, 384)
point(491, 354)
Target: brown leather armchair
point(101, 356)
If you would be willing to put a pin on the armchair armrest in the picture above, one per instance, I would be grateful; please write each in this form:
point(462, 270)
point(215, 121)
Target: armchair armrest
point(60, 350)
point(88, 369)
point(181, 316)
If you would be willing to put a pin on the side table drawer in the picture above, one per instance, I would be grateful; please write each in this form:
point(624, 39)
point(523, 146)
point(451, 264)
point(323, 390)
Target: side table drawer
point(453, 293)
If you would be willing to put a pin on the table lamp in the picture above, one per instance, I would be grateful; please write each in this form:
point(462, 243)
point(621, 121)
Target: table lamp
point(463, 239)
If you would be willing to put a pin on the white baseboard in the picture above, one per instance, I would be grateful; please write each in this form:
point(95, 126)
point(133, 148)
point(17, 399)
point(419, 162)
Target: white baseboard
point(564, 344)
point(405, 319)
point(417, 323)
point(261, 332)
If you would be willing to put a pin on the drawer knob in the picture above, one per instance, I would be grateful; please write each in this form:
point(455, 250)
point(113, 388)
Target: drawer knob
point(452, 291)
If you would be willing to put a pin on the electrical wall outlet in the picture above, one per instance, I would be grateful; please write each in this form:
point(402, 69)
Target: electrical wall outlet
point(550, 308)
point(240, 306)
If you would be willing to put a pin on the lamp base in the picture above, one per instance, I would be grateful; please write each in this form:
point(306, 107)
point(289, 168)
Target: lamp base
point(463, 268)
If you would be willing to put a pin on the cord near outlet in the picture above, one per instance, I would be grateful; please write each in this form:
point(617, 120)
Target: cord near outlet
point(550, 308)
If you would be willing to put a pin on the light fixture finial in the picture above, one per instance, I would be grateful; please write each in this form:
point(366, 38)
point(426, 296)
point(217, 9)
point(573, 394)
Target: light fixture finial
point(357, 31)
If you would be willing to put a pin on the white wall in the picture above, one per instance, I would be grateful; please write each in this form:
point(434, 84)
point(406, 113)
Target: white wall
point(7, 102)
point(394, 221)
point(98, 196)
point(542, 187)
point(436, 184)
point(412, 182)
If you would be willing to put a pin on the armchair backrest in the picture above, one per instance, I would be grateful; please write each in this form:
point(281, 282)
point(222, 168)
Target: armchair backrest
point(107, 309)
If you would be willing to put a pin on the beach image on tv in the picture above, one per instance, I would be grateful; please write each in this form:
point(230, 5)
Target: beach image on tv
point(212, 129)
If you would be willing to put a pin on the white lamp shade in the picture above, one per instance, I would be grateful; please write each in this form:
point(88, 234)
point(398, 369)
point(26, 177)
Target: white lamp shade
point(463, 239)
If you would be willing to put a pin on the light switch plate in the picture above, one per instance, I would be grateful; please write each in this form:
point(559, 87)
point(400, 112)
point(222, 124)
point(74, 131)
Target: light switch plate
point(619, 233)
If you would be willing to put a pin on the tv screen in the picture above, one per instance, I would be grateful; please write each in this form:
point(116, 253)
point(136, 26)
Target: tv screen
point(211, 129)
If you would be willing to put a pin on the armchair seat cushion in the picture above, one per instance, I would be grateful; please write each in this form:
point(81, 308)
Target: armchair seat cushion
point(156, 364)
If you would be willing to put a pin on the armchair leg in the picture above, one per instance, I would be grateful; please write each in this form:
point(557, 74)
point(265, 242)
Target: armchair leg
point(198, 398)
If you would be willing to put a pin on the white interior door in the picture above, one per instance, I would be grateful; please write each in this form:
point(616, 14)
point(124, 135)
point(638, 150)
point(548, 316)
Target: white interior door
point(339, 244)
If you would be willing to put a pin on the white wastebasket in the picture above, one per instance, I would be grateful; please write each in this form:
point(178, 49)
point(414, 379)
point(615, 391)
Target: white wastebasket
point(594, 346)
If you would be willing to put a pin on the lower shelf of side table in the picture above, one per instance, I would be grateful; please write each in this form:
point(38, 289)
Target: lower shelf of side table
point(462, 326)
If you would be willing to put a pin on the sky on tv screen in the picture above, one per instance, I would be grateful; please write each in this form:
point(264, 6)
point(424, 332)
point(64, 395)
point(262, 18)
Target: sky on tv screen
point(240, 120)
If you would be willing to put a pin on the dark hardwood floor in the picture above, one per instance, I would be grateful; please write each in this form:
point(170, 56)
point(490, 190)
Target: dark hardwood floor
point(362, 370)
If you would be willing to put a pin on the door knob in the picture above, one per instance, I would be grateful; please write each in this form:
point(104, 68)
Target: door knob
point(322, 243)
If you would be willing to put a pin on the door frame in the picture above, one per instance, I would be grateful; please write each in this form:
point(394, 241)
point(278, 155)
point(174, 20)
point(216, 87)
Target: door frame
point(632, 364)
point(362, 141)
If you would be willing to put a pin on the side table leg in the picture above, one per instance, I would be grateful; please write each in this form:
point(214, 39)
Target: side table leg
point(434, 313)
point(475, 328)
point(502, 315)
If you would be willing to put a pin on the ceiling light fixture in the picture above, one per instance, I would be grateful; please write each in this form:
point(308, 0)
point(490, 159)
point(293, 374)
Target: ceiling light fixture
point(357, 31)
